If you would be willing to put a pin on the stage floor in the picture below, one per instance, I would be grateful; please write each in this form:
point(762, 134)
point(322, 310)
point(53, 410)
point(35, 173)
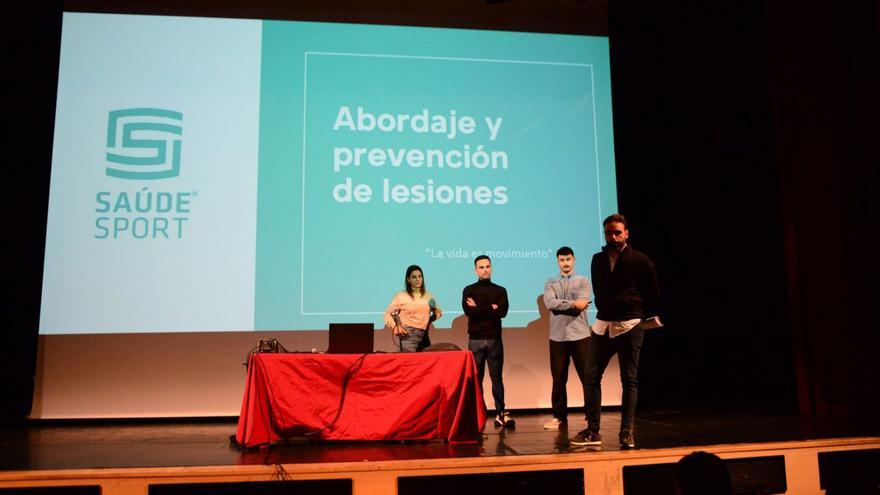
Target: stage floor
point(165, 443)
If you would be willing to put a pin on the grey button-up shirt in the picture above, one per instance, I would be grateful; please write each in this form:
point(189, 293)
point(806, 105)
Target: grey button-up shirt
point(566, 322)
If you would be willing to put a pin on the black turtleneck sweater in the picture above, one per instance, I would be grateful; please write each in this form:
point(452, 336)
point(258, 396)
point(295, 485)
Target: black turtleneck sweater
point(483, 321)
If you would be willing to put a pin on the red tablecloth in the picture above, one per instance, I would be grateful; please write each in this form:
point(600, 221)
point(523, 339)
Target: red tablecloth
point(403, 396)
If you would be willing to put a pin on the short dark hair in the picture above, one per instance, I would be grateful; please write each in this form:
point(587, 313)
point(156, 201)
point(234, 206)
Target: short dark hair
point(564, 251)
point(704, 474)
point(409, 270)
point(481, 257)
point(617, 217)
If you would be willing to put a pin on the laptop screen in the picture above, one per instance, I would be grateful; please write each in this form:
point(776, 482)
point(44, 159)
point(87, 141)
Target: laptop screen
point(350, 338)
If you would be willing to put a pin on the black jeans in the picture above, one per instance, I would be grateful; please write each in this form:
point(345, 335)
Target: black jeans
point(491, 350)
point(627, 347)
point(561, 354)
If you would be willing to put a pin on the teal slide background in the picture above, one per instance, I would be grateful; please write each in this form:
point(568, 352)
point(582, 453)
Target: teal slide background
point(319, 260)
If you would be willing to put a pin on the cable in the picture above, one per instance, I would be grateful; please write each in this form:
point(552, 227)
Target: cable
point(282, 476)
point(345, 380)
point(396, 316)
point(247, 357)
point(396, 343)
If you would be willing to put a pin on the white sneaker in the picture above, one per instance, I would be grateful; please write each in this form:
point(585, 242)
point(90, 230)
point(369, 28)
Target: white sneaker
point(553, 424)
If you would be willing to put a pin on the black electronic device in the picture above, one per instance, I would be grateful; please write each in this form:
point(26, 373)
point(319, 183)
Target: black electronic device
point(351, 338)
point(268, 345)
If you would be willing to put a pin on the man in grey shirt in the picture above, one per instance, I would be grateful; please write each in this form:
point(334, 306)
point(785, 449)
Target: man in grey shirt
point(567, 297)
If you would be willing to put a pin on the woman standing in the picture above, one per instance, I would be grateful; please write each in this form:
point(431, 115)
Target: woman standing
point(411, 312)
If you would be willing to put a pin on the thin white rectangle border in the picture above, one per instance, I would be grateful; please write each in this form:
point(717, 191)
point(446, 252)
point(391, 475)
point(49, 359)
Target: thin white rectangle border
point(302, 250)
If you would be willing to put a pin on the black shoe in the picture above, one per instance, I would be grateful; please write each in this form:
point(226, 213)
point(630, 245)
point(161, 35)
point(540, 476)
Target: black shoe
point(626, 440)
point(503, 420)
point(586, 437)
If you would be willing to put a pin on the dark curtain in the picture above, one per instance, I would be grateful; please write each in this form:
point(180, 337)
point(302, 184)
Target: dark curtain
point(31, 35)
point(824, 84)
point(747, 151)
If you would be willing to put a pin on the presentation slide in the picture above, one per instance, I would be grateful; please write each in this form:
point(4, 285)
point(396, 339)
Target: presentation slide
point(237, 175)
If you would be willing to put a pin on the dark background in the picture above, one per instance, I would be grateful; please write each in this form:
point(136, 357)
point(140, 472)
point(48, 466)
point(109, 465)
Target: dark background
point(747, 156)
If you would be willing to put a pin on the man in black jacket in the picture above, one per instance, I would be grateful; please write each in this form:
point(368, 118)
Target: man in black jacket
point(485, 303)
point(626, 293)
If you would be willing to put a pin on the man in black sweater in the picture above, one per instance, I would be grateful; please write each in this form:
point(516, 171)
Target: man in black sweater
point(485, 304)
point(626, 293)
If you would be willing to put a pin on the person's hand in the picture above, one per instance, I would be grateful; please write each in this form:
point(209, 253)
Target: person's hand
point(494, 306)
point(581, 304)
point(437, 313)
point(399, 330)
point(470, 302)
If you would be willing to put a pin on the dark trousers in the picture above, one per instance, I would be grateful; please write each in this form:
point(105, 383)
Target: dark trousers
point(627, 347)
point(491, 350)
point(561, 354)
point(415, 340)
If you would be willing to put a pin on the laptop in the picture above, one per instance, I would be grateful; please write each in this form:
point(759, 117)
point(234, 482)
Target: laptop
point(351, 338)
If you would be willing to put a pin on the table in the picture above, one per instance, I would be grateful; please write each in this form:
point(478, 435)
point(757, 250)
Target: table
point(400, 396)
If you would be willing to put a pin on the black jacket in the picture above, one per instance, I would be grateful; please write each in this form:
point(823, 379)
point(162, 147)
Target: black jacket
point(630, 291)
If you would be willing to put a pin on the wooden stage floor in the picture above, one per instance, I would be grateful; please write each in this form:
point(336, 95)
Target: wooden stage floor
point(142, 452)
point(163, 443)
